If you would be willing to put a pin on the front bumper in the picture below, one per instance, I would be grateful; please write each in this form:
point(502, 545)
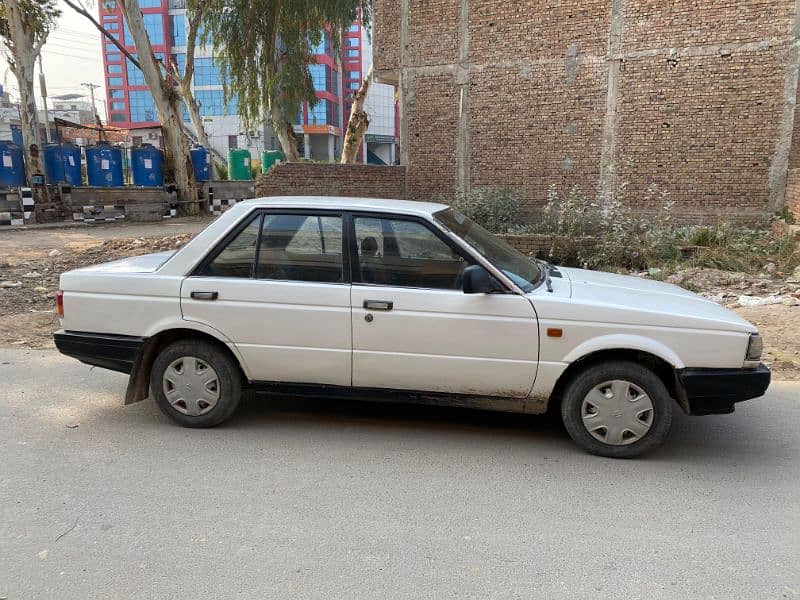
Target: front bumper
point(715, 391)
point(115, 352)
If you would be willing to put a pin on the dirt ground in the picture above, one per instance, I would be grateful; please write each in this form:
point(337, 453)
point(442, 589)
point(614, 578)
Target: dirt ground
point(31, 261)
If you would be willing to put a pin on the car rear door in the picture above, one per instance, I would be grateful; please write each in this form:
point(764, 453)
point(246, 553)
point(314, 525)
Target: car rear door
point(415, 329)
point(278, 289)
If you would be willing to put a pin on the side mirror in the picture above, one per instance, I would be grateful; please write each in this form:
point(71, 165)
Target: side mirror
point(478, 281)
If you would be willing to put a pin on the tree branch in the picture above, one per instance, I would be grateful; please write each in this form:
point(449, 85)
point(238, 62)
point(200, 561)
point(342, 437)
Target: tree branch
point(82, 11)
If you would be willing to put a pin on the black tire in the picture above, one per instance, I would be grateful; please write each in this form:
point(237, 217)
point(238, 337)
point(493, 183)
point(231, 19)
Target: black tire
point(595, 375)
point(229, 382)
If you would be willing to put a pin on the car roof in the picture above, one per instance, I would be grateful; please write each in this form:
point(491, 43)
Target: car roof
point(409, 207)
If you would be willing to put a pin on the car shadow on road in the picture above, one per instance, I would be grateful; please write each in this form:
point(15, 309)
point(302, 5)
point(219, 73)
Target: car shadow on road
point(721, 439)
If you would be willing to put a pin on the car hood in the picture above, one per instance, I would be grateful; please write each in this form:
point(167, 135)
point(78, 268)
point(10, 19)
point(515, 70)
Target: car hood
point(146, 263)
point(639, 301)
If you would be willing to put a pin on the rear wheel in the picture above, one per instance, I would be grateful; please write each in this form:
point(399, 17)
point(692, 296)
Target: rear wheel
point(617, 409)
point(195, 383)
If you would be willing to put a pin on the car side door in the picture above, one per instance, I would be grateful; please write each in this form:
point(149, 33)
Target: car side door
point(415, 329)
point(278, 288)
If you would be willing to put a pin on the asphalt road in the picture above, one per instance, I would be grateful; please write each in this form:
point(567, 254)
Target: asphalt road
point(312, 499)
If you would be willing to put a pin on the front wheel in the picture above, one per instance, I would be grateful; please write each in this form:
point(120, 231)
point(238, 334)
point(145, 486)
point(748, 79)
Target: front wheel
point(196, 384)
point(617, 409)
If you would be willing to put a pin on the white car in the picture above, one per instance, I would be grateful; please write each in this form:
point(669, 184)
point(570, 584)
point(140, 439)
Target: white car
point(410, 302)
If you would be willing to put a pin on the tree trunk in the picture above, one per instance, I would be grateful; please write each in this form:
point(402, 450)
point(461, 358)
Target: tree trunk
point(24, 50)
point(167, 105)
point(196, 120)
point(284, 131)
point(358, 123)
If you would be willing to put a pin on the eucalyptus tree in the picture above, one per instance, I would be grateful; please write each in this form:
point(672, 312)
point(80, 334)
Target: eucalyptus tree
point(166, 99)
point(265, 48)
point(24, 27)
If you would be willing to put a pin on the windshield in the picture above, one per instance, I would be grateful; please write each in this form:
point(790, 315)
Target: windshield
point(515, 265)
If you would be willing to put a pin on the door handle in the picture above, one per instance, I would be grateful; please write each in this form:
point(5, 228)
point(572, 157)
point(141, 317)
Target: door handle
point(205, 295)
point(378, 304)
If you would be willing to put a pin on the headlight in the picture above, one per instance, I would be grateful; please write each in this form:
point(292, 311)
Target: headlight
point(754, 350)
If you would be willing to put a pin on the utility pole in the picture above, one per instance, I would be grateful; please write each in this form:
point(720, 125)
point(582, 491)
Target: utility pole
point(97, 122)
point(43, 89)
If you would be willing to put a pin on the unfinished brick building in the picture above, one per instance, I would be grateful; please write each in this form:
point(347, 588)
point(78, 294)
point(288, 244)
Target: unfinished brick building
point(687, 100)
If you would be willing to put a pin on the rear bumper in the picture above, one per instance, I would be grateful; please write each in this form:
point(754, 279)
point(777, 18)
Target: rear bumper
point(115, 352)
point(715, 391)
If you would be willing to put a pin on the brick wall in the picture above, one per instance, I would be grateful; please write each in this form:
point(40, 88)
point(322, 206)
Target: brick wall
point(309, 179)
point(793, 194)
point(687, 101)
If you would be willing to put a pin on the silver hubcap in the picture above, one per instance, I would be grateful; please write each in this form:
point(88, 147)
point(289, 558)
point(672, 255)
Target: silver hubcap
point(191, 386)
point(617, 413)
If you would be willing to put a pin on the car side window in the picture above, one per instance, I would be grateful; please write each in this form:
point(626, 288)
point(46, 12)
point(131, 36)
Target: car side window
point(301, 248)
point(237, 258)
point(406, 253)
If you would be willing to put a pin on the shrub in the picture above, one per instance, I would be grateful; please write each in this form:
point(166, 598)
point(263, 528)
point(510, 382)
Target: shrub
point(499, 211)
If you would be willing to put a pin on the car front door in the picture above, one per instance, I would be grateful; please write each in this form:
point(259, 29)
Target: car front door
point(278, 289)
point(415, 329)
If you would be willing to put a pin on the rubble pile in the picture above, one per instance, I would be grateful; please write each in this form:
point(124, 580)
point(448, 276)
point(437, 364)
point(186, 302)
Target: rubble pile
point(735, 289)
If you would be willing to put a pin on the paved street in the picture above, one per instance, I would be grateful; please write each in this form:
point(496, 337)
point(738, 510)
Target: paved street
point(312, 499)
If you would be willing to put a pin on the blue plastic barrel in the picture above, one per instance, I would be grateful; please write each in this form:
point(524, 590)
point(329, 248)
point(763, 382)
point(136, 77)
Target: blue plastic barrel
point(12, 166)
point(201, 162)
point(147, 164)
point(72, 163)
point(53, 163)
point(104, 166)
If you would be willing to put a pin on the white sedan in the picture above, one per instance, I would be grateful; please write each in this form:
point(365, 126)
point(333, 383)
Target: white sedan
point(404, 301)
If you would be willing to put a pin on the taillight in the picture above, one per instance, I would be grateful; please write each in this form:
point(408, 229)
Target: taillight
point(60, 303)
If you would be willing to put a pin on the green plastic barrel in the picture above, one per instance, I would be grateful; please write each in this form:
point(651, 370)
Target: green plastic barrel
point(239, 164)
point(271, 157)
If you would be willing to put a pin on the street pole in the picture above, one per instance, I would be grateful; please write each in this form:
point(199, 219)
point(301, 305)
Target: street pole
point(97, 122)
point(43, 89)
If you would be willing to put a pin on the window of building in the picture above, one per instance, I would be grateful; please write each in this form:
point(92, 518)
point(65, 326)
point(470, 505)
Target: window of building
point(352, 53)
point(323, 46)
point(143, 109)
point(180, 60)
point(178, 29)
point(149, 3)
point(353, 28)
point(116, 118)
point(137, 140)
point(111, 47)
point(212, 104)
point(115, 82)
point(109, 5)
point(318, 114)
point(154, 24)
point(112, 26)
point(116, 94)
point(206, 72)
point(115, 69)
point(301, 248)
point(395, 252)
point(353, 41)
point(117, 106)
point(319, 77)
point(233, 142)
point(113, 57)
point(353, 85)
point(354, 74)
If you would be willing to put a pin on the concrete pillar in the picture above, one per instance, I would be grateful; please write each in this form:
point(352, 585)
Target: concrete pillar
point(364, 148)
point(392, 153)
point(608, 169)
point(331, 147)
point(306, 146)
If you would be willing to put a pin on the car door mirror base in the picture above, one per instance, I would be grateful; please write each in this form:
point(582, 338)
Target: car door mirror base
point(477, 280)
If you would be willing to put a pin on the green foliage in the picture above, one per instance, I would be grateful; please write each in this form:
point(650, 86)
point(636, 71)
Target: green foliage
point(499, 211)
point(787, 216)
point(39, 18)
point(265, 46)
point(222, 169)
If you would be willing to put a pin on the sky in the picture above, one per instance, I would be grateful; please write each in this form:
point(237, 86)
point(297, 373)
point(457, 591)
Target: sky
point(71, 56)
